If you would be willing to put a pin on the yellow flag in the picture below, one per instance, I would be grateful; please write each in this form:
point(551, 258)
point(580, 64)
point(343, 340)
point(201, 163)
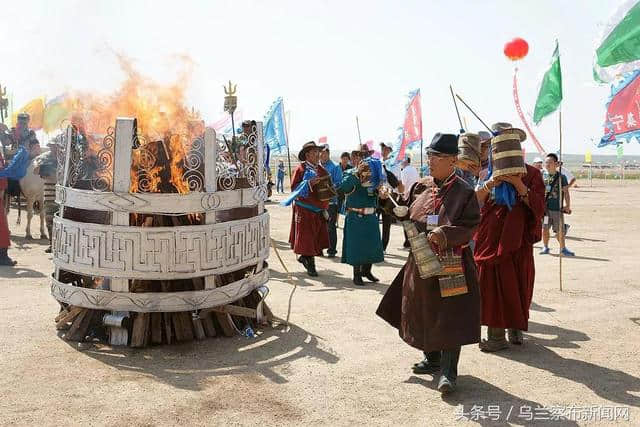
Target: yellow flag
point(35, 109)
point(587, 157)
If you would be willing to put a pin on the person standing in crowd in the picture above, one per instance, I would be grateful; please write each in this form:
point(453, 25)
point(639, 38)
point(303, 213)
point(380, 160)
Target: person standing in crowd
point(468, 163)
point(46, 165)
point(537, 163)
point(280, 173)
point(309, 233)
point(392, 171)
point(356, 157)
point(504, 250)
point(408, 176)
point(15, 170)
point(554, 213)
point(335, 172)
point(425, 314)
point(345, 161)
point(361, 243)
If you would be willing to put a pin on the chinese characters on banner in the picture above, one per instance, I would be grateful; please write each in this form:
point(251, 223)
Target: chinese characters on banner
point(623, 112)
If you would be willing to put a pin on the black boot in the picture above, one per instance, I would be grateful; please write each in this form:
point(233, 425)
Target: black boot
point(366, 272)
point(312, 267)
point(357, 275)
point(304, 260)
point(447, 383)
point(429, 365)
point(4, 257)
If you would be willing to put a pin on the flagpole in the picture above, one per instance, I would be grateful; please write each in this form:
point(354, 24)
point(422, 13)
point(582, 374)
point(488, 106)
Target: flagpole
point(561, 228)
point(286, 135)
point(359, 137)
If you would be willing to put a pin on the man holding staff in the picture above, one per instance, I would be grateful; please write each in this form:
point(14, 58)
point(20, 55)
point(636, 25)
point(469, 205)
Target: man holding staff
point(504, 244)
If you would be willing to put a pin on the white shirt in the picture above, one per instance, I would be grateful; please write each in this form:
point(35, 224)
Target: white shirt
point(409, 176)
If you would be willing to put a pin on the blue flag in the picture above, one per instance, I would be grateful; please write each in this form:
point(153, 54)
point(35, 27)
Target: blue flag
point(274, 128)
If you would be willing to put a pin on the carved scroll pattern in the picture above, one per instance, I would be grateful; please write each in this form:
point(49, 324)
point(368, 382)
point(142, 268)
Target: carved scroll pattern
point(226, 170)
point(194, 165)
point(251, 164)
point(102, 177)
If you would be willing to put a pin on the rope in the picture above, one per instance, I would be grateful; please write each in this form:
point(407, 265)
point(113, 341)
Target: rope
point(291, 282)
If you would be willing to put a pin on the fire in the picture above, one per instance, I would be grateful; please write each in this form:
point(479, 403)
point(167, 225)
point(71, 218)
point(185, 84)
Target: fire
point(163, 120)
point(159, 109)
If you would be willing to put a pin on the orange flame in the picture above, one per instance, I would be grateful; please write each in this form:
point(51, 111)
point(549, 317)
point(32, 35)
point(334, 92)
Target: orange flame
point(159, 109)
point(161, 116)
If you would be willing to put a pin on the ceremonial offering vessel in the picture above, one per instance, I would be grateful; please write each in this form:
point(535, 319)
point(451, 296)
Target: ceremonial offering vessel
point(506, 153)
point(159, 241)
point(427, 261)
point(324, 188)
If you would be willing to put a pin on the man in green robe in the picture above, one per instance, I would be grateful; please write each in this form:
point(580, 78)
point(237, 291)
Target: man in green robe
point(361, 243)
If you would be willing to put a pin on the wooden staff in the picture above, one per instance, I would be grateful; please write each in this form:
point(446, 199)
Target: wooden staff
point(474, 113)
point(561, 230)
point(455, 104)
point(359, 137)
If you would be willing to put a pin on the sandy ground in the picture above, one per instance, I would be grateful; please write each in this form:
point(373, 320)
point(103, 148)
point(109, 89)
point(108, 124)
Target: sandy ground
point(339, 363)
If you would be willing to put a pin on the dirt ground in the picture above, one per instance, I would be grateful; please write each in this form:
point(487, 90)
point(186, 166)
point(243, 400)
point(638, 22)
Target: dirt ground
point(339, 364)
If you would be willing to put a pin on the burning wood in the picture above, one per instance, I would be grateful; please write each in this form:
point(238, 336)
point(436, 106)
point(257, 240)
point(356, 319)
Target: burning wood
point(160, 166)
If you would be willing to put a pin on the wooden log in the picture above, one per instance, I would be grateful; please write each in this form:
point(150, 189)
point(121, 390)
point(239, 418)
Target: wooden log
point(156, 328)
point(168, 335)
point(78, 330)
point(60, 315)
point(208, 325)
point(139, 330)
point(183, 326)
point(198, 328)
point(234, 310)
point(68, 315)
point(228, 329)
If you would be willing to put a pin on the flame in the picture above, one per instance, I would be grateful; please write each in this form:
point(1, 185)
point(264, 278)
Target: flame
point(177, 155)
point(162, 121)
point(159, 109)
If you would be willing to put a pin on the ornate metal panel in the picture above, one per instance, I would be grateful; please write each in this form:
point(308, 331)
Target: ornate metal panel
point(158, 203)
point(160, 252)
point(149, 302)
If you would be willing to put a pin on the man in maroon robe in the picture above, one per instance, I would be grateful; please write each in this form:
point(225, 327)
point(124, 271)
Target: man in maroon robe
point(427, 316)
point(309, 232)
point(504, 255)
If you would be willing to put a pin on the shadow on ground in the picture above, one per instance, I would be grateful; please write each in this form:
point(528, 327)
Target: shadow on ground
point(18, 272)
point(473, 391)
point(188, 366)
point(610, 384)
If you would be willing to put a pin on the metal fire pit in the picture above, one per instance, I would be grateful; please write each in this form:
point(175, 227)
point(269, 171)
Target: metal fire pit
point(118, 252)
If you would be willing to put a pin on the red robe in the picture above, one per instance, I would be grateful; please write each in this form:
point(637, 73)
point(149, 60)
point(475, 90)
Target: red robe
point(504, 256)
point(4, 227)
point(309, 232)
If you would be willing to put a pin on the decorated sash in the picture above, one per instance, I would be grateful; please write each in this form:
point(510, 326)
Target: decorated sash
point(303, 189)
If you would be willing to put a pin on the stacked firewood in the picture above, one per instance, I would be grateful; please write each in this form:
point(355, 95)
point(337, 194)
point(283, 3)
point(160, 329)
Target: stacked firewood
point(81, 324)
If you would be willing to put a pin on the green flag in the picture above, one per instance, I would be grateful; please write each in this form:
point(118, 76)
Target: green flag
point(550, 93)
point(619, 49)
point(620, 151)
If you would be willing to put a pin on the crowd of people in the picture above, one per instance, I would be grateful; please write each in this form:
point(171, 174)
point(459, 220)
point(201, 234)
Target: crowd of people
point(19, 148)
point(480, 225)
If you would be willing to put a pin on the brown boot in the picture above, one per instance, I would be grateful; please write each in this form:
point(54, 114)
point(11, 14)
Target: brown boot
point(495, 341)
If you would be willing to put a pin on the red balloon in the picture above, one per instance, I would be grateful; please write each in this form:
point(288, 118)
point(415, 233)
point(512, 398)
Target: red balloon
point(516, 49)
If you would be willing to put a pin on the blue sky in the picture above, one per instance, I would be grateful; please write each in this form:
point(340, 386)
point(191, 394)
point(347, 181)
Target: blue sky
point(330, 60)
